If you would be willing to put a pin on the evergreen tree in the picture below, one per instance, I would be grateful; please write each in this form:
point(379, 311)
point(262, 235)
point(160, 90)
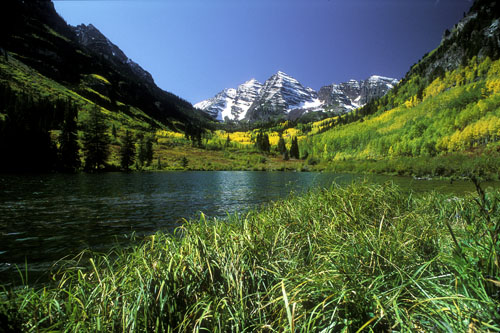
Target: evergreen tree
point(281, 145)
point(294, 149)
point(158, 163)
point(286, 156)
point(148, 145)
point(95, 140)
point(258, 141)
point(266, 146)
point(141, 154)
point(145, 151)
point(127, 151)
point(68, 140)
point(25, 140)
point(262, 142)
point(194, 133)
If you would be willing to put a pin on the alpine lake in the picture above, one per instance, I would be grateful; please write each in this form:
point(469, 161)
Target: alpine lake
point(53, 217)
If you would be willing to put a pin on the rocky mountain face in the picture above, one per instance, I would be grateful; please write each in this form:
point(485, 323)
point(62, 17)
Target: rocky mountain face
point(90, 37)
point(232, 103)
point(344, 97)
point(374, 87)
point(341, 97)
point(280, 94)
point(477, 34)
point(246, 94)
point(283, 96)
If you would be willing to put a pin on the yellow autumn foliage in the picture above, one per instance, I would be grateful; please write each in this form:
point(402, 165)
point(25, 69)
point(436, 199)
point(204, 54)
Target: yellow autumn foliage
point(169, 134)
point(493, 86)
point(436, 87)
point(100, 78)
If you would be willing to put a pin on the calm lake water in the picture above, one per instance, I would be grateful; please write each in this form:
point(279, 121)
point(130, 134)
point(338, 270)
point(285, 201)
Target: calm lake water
point(46, 217)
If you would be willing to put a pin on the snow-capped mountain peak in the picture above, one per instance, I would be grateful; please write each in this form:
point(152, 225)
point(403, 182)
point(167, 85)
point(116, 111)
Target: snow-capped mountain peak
point(353, 94)
point(377, 79)
point(281, 94)
point(232, 103)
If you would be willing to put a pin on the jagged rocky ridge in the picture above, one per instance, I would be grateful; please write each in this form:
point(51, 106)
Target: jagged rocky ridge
point(280, 94)
point(90, 37)
point(232, 103)
point(71, 56)
point(476, 34)
point(351, 95)
point(283, 96)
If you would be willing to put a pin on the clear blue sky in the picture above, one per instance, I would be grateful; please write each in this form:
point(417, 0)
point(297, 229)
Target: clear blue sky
point(196, 48)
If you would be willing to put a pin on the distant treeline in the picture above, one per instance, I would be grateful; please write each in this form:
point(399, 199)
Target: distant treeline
point(25, 124)
point(41, 134)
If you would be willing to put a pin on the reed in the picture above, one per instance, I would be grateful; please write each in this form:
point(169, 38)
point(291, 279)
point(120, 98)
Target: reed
point(344, 259)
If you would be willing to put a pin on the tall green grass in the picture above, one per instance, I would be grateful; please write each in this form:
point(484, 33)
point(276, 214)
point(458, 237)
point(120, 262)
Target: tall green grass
point(359, 258)
point(456, 165)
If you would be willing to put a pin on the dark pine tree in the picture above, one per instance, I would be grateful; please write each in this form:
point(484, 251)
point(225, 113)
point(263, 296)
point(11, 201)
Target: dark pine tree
point(281, 145)
point(148, 147)
point(158, 163)
point(25, 140)
point(127, 151)
point(294, 149)
point(258, 141)
point(266, 146)
point(262, 142)
point(184, 162)
point(286, 156)
point(68, 140)
point(145, 151)
point(95, 140)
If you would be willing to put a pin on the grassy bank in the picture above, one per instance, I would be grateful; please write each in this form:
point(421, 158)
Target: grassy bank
point(484, 165)
point(228, 159)
point(364, 257)
point(181, 155)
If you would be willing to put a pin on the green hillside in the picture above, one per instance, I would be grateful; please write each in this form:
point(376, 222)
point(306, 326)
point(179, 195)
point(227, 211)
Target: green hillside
point(46, 73)
point(448, 105)
point(17, 78)
point(458, 113)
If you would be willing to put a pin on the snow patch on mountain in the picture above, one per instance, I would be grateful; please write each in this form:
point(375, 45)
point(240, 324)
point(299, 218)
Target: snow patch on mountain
point(231, 103)
point(315, 103)
point(281, 94)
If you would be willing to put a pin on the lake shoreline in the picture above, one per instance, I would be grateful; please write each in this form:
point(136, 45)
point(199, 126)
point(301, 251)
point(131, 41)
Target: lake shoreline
point(50, 216)
point(447, 166)
point(370, 256)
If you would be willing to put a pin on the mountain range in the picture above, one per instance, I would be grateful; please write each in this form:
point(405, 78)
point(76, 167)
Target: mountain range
point(447, 102)
point(284, 96)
